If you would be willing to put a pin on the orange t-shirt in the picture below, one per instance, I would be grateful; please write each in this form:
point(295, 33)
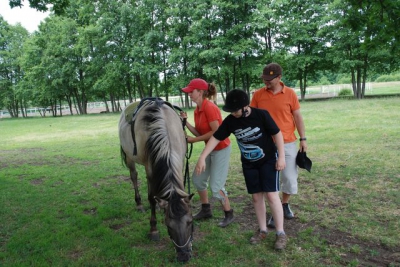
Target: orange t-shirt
point(205, 114)
point(280, 107)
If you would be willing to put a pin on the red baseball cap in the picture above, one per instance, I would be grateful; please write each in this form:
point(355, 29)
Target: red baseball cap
point(197, 83)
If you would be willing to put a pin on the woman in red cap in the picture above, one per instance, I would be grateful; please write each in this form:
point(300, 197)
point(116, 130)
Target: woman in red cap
point(207, 118)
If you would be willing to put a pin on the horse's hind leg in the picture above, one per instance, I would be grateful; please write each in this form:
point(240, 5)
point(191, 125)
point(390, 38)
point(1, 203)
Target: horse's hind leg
point(134, 178)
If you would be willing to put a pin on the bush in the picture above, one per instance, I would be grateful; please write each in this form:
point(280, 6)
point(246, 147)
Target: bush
point(388, 78)
point(344, 80)
point(345, 92)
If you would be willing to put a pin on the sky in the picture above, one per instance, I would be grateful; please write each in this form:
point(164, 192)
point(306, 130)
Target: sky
point(28, 17)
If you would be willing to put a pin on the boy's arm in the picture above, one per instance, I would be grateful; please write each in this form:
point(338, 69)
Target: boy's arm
point(201, 162)
point(280, 163)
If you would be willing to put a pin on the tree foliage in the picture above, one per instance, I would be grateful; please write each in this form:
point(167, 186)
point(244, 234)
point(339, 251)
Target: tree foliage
point(43, 5)
point(111, 50)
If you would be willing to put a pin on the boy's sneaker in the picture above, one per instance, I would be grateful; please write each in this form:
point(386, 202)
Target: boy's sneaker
point(287, 212)
point(280, 241)
point(258, 237)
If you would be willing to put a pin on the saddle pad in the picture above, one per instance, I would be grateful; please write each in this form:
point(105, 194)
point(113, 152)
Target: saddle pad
point(130, 110)
point(133, 108)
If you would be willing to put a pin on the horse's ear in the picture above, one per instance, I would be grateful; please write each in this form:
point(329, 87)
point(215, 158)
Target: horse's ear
point(187, 199)
point(161, 202)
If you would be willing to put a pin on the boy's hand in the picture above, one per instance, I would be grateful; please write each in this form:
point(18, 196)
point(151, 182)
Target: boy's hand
point(280, 164)
point(200, 166)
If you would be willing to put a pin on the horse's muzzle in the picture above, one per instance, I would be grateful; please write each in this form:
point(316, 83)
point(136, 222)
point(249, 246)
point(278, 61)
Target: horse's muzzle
point(184, 254)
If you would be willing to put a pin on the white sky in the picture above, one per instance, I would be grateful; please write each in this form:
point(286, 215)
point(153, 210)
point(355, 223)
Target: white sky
point(28, 17)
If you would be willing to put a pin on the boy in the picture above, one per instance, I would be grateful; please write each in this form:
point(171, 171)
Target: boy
point(258, 138)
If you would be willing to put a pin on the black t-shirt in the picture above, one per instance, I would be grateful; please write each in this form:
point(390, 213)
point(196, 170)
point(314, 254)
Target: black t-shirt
point(253, 136)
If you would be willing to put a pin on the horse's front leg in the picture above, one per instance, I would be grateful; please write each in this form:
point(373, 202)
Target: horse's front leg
point(134, 179)
point(154, 235)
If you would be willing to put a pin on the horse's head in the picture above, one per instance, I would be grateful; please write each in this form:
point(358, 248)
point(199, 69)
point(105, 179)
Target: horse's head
point(179, 221)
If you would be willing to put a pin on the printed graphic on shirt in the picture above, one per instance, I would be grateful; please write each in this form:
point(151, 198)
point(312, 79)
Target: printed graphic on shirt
point(250, 152)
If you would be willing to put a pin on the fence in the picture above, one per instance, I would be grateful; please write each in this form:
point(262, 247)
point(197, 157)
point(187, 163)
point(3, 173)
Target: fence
point(97, 107)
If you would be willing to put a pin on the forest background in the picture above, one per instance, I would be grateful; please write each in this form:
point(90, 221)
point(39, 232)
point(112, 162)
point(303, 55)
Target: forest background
point(111, 50)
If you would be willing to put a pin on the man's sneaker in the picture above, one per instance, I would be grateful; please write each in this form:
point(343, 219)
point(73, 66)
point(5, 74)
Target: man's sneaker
point(258, 237)
point(280, 241)
point(271, 223)
point(287, 212)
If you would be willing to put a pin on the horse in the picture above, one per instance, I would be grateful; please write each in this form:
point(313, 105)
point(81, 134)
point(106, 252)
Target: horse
point(151, 134)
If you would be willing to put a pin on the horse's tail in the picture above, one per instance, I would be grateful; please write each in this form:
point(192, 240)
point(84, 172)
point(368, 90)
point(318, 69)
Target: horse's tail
point(123, 157)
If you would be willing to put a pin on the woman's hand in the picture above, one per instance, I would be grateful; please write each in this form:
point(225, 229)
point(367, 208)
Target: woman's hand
point(190, 139)
point(183, 114)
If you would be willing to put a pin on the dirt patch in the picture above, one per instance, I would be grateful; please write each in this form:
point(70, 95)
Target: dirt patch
point(37, 181)
point(367, 254)
point(17, 157)
point(90, 211)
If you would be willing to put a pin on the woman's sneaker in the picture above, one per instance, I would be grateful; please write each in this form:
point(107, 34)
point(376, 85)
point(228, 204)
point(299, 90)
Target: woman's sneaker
point(258, 237)
point(280, 241)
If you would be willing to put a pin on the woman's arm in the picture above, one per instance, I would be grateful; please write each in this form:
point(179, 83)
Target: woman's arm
point(205, 137)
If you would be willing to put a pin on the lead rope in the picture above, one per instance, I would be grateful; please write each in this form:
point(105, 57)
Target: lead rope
point(188, 155)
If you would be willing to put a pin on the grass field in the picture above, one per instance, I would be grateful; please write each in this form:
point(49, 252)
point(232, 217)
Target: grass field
point(66, 200)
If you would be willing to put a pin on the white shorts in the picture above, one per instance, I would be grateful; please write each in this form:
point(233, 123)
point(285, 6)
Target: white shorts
point(290, 174)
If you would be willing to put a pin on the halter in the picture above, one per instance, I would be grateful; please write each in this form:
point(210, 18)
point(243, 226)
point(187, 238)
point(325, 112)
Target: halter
point(187, 242)
point(190, 239)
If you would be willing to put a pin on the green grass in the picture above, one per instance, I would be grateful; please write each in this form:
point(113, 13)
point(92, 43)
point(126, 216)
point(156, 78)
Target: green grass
point(66, 200)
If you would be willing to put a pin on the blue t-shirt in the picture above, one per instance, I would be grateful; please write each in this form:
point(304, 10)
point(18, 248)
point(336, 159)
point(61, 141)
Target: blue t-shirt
point(253, 135)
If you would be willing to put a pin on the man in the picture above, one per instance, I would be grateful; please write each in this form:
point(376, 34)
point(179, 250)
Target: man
point(283, 105)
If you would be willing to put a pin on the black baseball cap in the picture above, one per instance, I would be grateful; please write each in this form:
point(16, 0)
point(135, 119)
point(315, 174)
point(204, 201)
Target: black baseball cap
point(303, 161)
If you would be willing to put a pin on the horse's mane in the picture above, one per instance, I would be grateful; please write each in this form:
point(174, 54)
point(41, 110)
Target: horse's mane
point(177, 209)
point(165, 161)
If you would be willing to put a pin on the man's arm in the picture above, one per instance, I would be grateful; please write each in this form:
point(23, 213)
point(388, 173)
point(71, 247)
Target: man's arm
point(301, 129)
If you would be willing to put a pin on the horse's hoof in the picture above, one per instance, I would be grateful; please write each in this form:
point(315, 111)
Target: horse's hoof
point(154, 236)
point(140, 208)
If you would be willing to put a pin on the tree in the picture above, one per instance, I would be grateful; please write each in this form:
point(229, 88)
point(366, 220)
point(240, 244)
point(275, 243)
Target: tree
point(12, 95)
point(299, 23)
point(362, 34)
point(42, 5)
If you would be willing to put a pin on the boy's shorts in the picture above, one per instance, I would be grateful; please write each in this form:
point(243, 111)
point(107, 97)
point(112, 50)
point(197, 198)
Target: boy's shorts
point(262, 179)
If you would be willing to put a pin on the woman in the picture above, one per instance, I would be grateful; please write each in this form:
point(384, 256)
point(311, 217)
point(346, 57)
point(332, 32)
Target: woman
point(207, 118)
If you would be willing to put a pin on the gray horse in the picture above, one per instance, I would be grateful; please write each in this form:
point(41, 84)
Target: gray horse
point(151, 135)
